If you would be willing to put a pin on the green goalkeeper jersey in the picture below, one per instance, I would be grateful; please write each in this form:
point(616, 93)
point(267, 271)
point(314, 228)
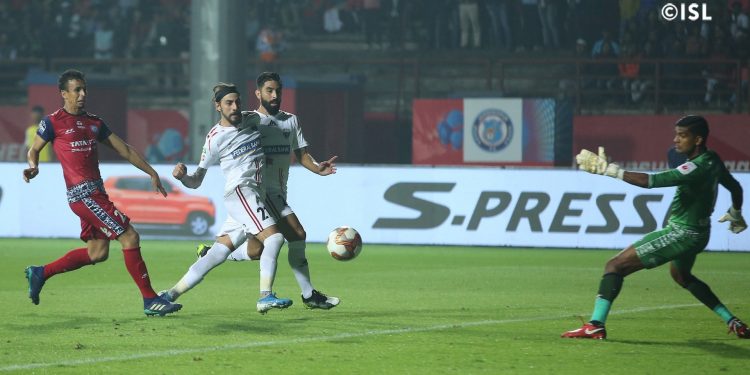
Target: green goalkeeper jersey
point(697, 185)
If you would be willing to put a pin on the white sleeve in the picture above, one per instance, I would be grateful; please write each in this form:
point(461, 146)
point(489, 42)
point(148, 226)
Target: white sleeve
point(210, 153)
point(298, 140)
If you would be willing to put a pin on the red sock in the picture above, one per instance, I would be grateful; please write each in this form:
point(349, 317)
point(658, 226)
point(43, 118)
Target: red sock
point(137, 268)
point(73, 260)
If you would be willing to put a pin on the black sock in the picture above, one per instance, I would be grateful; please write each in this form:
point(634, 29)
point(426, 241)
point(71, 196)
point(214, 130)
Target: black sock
point(610, 286)
point(703, 293)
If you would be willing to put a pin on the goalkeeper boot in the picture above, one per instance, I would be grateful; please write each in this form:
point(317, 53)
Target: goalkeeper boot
point(319, 300)
point(159, 306)
point(270, 301)
point(739, 328)
point(588, 331)
point(35, 275)
point(202, 250)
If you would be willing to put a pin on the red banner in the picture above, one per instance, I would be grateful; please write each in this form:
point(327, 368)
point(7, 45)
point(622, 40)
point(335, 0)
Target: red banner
point(437, 131)
point(642, 142)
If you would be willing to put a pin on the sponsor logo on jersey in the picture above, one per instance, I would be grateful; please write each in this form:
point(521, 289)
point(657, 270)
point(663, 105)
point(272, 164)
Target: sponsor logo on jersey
point(69, 131)
point(287, 133)
point(247, 147)
point(94, 128)
point(42, 127)
point(277, 149)
point(687, 167)
point(492, 130)
point(85, 142)
point(79, 124)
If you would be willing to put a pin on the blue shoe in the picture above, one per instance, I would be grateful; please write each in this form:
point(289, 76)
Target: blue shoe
point(35, 275)
point(159, 306)
point(272, 302)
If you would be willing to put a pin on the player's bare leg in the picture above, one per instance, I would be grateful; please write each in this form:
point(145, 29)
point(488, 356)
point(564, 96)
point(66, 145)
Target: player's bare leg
point(621, 265)
point(680, 269)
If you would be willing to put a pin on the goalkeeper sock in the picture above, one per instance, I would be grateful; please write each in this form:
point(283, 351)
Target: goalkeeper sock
point(703, 293)
point(609, 288)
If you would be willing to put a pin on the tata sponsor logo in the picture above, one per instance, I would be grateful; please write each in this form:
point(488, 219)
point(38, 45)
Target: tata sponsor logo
point(526, 207)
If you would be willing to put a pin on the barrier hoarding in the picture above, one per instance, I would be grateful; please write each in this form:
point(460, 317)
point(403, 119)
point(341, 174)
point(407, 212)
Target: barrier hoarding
point(413, 205)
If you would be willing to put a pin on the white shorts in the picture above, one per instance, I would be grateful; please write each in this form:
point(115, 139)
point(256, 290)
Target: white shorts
point(277, 206)
point(247, 213)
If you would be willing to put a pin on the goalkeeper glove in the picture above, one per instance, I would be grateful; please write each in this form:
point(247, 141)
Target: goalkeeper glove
point(593, 163)
point(736, 222)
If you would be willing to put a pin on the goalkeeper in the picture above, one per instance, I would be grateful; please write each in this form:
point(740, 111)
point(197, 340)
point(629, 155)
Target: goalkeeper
point(688, 228)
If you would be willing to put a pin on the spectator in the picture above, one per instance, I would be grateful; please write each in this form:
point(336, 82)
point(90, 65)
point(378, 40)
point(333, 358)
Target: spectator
point(35, 117)
point(468, 11)
point(499, 11)
point(373, 22)
point(549, 11)
point(7, 51)
point(394, 14)
point(269, 43)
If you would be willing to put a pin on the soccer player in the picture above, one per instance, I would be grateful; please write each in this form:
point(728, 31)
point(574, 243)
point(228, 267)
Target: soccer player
point(75, 135)
point(688, 230)
point(235, 144)
point(281, 134)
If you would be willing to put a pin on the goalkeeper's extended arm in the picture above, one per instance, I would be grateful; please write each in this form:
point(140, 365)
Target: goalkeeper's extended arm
point(597, 163)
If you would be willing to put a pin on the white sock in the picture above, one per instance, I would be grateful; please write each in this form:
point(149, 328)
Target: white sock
point(239, 254)
point(271, 249)
point(217, 255)
point(301, 271)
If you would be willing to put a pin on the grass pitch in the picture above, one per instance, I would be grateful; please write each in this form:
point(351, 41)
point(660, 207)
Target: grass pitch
point(405, 310)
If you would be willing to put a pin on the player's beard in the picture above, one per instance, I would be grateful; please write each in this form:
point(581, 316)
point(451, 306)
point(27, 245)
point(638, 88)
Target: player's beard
point(269, 108)
point(234, 120)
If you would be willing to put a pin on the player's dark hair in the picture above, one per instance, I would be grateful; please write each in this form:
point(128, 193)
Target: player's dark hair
point(697, 125)
point(222, 89)
point(38, 109)
point(62, 82)
point(267, 76)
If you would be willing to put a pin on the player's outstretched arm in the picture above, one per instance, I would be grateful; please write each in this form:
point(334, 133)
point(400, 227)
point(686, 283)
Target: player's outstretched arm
point(323, 168)
point(32, 156)
point(598, 164)
point(192, 181)
point(734, 214)
point(134, 157)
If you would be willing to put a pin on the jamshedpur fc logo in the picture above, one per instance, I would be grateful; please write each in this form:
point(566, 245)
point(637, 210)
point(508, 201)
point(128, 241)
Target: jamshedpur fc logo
point(492, 130)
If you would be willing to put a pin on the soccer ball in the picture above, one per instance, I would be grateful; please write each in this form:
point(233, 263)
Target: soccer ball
point(344, 243)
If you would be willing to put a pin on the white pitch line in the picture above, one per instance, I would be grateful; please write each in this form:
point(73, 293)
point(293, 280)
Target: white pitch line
point(303, 340)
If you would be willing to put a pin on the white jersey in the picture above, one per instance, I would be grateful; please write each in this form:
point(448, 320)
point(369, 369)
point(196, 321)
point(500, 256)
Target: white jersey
point(281, 135)
point(238, 150)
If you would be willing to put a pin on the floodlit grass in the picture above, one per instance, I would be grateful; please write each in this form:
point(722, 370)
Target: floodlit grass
point(405, 310)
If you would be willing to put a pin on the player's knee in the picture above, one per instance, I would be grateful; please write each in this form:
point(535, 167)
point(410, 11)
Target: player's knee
point(130, 238)
point(99, 257)
point(680, 278)
point(301, 234)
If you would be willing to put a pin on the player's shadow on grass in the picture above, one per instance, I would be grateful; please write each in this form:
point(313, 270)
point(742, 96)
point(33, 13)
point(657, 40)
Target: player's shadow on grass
point(720, 349)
